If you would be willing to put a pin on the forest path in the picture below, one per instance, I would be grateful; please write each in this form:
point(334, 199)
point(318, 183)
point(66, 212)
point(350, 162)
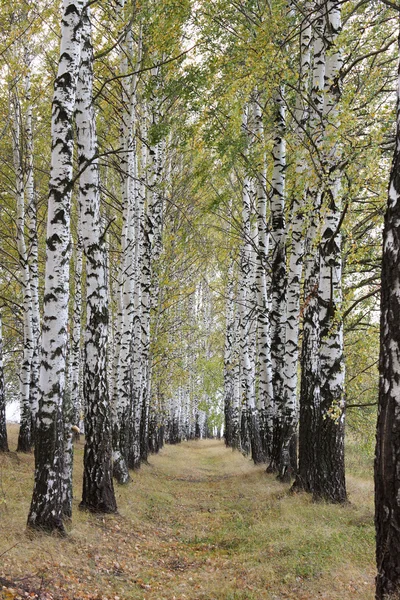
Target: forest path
point(198, 522)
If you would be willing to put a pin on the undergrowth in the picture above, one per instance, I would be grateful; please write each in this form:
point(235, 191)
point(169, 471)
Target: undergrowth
point(199, 522)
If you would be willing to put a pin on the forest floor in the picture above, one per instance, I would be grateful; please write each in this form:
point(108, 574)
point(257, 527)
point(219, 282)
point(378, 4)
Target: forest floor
point(198, 522)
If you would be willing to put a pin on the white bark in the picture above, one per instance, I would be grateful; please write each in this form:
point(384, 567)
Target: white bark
point(245, 299)
point(128, 169)
point(229, 381)
point(122, 401)
point(310, 365)
point(98, 492)
point(75, 351)
point(46, 505)
point(24, 439)
point(3, 425)
point(330, 482)
point(279, 274)
point(292, 321)
point(33, 250)
point(265, 387)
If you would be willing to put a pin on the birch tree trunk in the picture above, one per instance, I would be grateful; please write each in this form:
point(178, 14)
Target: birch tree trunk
point(3, 424)
point(128, 169)
point(330, 473)
point(98, 491)
point(24, 437)
point(123, 387)
point(75, 351)
point(152, 249)
point(137, 344)
point(46, 506)
point(250, 432)
point(33, 250)
point(228, 357)
point(72, 397)
point(266, 393)
point(288, 462)
point(387, 453)
point(310, 364)
point(279, 275)
point(236, 376)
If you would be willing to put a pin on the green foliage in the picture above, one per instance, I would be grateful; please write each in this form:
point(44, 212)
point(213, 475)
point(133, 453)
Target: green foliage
point(210, 58)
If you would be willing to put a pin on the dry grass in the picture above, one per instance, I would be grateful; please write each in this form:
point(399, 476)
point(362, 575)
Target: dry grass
point(200, 522)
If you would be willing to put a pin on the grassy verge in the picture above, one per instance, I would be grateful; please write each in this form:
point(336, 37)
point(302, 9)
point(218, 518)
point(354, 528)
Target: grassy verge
point(200, 522)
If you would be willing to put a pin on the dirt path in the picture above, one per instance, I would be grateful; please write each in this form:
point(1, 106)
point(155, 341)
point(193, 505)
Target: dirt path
point(199, 522)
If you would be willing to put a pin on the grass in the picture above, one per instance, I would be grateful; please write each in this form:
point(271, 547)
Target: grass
point(200, 522)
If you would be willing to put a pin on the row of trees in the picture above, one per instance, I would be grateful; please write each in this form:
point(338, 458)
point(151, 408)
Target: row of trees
point(126, 413)
point(272, 294)
point(217, 183)
point(294, 249)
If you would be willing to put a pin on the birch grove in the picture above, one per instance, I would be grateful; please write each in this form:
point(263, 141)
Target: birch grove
point(191, 247)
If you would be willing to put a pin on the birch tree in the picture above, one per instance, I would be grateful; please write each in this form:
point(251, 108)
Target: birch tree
point(46, 506)
point(265, 385)
point(33, 244)
point(288, 467)
point(250, 436)
point(3, 424)
point(387, 452)
point(75, 350)
point(152, 246)
point(98, 491)
point(24, 438)
point(330, 475)
point(229, 371)
point(122, 358)
point(310, 367)
point(278, 273)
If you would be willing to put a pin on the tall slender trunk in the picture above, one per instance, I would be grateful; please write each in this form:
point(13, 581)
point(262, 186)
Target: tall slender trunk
point(265, 387)
point(136, 450)
point(228, 356)
point(288, 462)
point(3, 425)
point(33, 249)
point(75, 352)
point(123, 384)
point(250, 431)
point(153, 247)
point(279, 275)
point(236, 376)
point(24, 437)
point(330, 474)
point(310, 364)
point(98, 491)
point(72, 398)
point(46, 506)
point(128, 254)
point(387, 453)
